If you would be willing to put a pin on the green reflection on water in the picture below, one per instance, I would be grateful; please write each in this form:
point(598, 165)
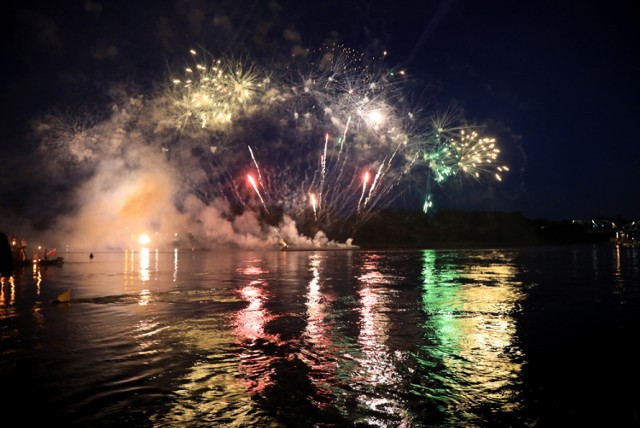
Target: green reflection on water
point(469, 357)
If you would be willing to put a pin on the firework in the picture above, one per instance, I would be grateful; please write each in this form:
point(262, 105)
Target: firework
point(210, 93)
point(331, 141)
point(455, 150)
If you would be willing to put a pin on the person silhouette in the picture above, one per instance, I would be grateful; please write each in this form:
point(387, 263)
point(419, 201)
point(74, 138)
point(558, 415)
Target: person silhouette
point(6, 256)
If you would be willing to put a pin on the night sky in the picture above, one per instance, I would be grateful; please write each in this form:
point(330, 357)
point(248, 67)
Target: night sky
point(554, 82)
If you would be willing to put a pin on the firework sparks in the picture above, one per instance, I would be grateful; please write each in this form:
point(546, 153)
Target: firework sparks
point(210, 93)
point(456, 150)
point(324, 166)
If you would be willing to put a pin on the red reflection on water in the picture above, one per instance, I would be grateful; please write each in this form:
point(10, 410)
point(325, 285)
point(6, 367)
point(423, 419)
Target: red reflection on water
point(318, 332)
point(252, 269)
point(249, 324)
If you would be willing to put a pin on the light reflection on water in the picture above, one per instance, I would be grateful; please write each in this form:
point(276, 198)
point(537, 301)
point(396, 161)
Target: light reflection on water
point(471, 330)
point(395, 338)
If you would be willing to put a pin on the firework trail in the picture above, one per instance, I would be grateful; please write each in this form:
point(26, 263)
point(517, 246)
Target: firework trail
point(312, 197)
point(365, 180)
point(373, 185)
point(257, 168)
point(253, 184)
point(324, 168)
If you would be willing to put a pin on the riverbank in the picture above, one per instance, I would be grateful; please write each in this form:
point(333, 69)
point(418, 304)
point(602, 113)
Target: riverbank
point(461, 229)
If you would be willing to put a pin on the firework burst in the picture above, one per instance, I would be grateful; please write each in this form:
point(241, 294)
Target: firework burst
point(455, 150)
point(209, 93)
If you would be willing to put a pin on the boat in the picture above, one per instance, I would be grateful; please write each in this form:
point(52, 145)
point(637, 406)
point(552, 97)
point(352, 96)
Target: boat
point(58, 261)
point(331, 247)
point(318, 248)
point(19, 255)
point(294, 248)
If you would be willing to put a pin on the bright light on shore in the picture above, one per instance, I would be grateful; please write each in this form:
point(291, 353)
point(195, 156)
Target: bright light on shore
point(144, 239)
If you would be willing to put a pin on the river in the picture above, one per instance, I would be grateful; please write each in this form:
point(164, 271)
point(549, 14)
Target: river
point(533, 336)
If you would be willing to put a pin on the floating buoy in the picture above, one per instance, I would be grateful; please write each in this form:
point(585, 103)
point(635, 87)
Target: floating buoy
point(91, 255)
point(64, 297)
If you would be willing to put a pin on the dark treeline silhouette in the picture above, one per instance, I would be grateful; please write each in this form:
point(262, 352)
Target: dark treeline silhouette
point(411, 229)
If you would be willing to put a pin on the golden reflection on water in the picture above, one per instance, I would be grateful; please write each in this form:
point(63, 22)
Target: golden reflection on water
point(141, 270)
point(617, 269)
point(145, 297)
point(175, 265)
point(129, 269)
point(11, 298)
point(37, 277)
point(233, 367)
point(146, 333)
point(144, 264)
point(472, 328)
point(211, 388)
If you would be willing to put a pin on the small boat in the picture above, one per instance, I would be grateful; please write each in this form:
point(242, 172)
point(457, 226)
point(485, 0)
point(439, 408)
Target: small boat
point(58, 261)
point(330, 247)
point(320, 248)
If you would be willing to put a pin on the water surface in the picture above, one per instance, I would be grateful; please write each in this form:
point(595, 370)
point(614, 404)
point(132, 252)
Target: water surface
point(491, 337)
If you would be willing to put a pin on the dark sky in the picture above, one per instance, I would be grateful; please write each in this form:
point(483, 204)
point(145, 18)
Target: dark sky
point(555, 81)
